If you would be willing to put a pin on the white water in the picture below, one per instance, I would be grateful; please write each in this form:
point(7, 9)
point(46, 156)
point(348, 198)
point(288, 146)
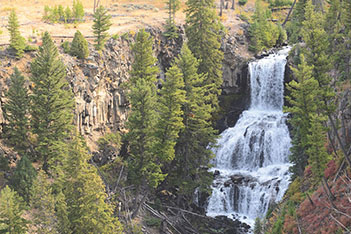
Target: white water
point(252, 157)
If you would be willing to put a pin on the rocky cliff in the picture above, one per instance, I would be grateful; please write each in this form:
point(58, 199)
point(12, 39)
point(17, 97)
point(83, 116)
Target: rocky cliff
point(97, 82)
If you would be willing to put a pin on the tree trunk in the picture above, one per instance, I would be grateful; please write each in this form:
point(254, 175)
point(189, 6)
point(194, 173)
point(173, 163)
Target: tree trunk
point(136, 210)
point(291, 9)
point(221, 8)
point(233, 4)
point(309, 198)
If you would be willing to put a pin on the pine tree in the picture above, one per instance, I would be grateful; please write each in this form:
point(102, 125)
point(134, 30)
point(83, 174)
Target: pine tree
point(16, 113)
point(43, 206)
point(78, 10)
point(17, 42)
point(258, 226)
point(102, 23)
point(304, 103)
point(171, 28)
point(317, 44)
point(23, 178)
point(11, 213)
point(318, 156)
point(203, 30)
point(171, 98)
point(85, 194)
point(52, 103)
point(61, 208)
point(192, 151)
point(294, 26)
point(79, 46)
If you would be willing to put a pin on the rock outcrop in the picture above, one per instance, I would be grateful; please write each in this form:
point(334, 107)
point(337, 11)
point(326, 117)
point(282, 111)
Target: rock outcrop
point(97, 82)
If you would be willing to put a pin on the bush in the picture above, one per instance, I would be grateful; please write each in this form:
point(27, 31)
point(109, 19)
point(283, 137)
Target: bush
point(242, 2)
point(110, 139)
point(30, 48)
point(153, 222)
point(66, 47)
point(79, 46)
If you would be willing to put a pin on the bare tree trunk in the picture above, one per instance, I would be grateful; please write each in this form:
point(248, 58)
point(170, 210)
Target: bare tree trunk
point(233, 4)
point(221, 8)
point(291, 9)
point(328, 188)
point(309, 198)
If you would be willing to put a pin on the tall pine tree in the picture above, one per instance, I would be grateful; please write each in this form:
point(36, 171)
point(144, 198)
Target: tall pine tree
point(203, 29)
point(88, 211)
point(16, 113)
point(23, 178)
point(52, 103)
point(102, 23)
point(11, 212)
point(17, 42)
point(171, 28)
point(171, 98)
point(192, 152)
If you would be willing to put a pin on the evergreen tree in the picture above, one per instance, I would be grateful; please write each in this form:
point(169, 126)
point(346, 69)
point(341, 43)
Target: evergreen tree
point(318, 156)
point(317, 44)
point(294, 26)
point(68, 14)
point(63, 225)
point(171, 28)
point(17, 42)
point(79, 46)
point(52, 103)
point(171, 99)
point(11, 212)
point(85, 194)
point(43, 206)
point(16, 113)
point(78, 10)
point(203, 30)
point(102, 23)
point(23, 178)
point(258, 226)
point(304, 103)
point(192, 151)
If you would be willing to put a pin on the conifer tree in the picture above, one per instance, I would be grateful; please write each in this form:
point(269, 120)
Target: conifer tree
point(52, 103)
point(102, 23)
point(315, 52)
point(17, 42)
point(85, 194)
point(78, 10)
point(23, 178)
point(11, 212)
point(171, 99)
point(63, 223)
point(79, 46)
point(171, 28)
point(43, 206)
point(304, 103)
point(16, 113)
point(203, 30)
point(192, 151)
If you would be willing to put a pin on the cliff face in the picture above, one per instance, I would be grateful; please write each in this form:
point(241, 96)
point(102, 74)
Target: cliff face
point(97, 82)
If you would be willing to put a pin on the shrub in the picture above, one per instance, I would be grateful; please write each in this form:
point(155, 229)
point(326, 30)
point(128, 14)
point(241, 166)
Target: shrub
point(153, 222)
point(30, 48)
point(79, 46)
point(66, 47)
point(110, 139)
point(242, 2)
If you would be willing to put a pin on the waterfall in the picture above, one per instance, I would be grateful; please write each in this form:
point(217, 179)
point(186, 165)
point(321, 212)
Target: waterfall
point(251, 164)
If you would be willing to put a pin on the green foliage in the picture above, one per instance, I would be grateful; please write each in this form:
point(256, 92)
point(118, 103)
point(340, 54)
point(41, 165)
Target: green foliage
point(278, 225)
point(279, 3)
point(58, 14)
point(293, 27)
point(23, 178)
point(4, 163)
point(79, 46)
point(66, 47)
point(30, 48)
point(110, 139)
point(85, 194)
point(203, 29)
point(17, 42)
point(63, 223)
point(102, 23)
point(16, 113)
point(153, 222)
point(242, 2)
point(43, 206)
point(171, 98)
point(171, 29)
point(52, 104)
point(264, 33)
point(145, 166)
point(192, 152)
point(257, 226)
point(78, 10)
point(11, 213)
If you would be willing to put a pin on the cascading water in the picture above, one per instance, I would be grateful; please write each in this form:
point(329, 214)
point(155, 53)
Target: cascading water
point(251, 164)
